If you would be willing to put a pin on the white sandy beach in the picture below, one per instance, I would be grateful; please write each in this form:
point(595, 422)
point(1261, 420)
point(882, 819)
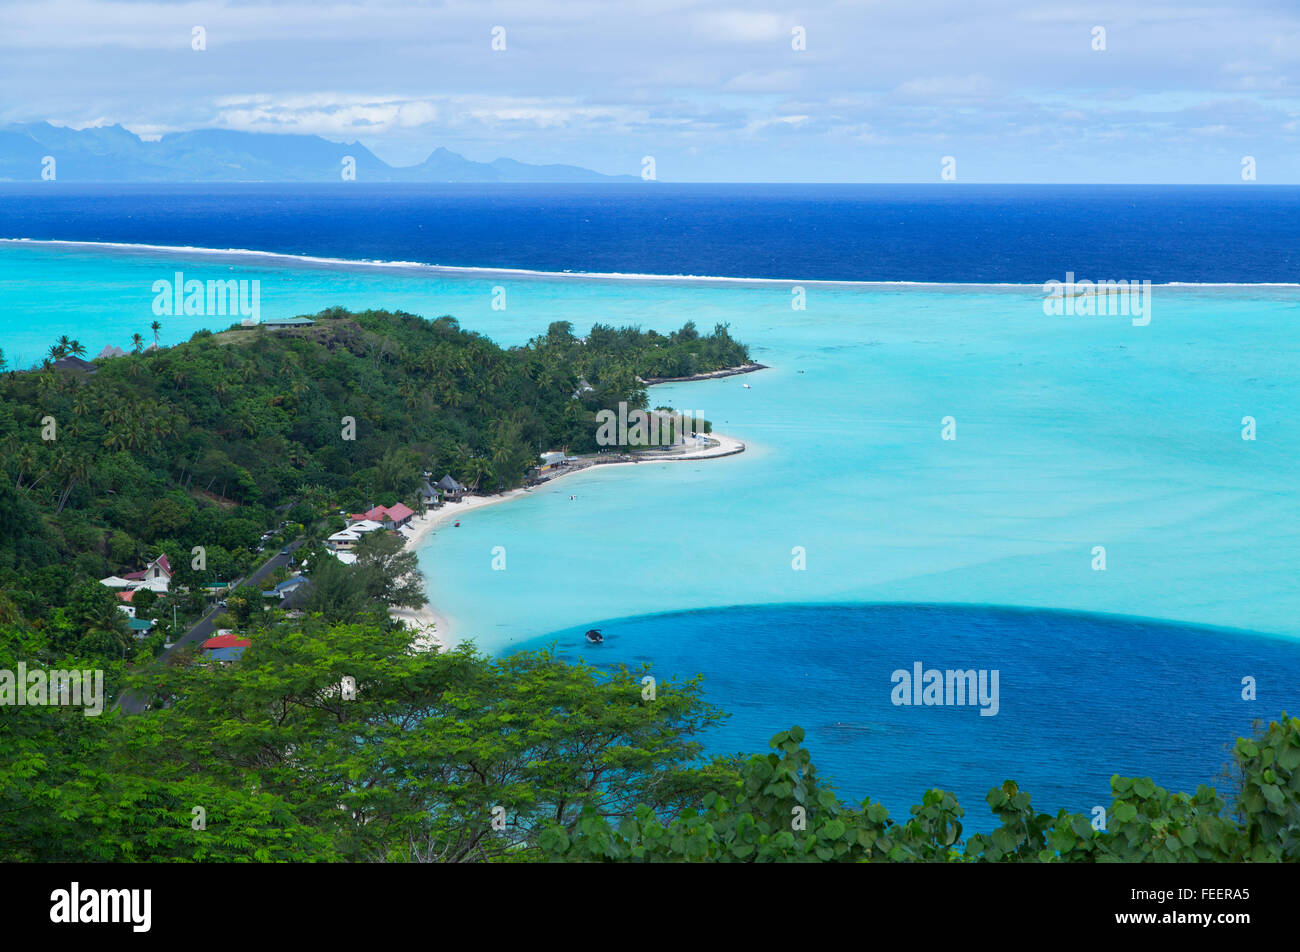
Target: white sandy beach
point(433, 630)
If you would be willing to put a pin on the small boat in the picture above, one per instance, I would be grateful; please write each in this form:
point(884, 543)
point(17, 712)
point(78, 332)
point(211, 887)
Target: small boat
point(594, 636)
point(456, 524)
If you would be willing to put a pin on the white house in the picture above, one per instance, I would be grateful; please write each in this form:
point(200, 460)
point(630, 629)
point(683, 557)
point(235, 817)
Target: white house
point(156, 577)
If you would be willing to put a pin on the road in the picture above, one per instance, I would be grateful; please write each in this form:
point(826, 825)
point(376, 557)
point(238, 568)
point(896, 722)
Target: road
point(134, 703)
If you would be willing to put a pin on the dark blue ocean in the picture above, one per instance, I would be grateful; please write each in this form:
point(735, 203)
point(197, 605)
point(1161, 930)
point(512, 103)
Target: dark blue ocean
point(930, 233)
point(1080, 697)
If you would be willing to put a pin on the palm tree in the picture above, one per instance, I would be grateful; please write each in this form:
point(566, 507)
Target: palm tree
point(137, 342)
point(26, 459)
point(76, 348)
point(74, 467)
point(47, 382)
point(480, 469)
point(156, 326)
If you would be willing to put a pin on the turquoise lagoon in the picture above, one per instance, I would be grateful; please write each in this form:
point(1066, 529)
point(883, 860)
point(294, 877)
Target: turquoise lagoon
point(1071, 433)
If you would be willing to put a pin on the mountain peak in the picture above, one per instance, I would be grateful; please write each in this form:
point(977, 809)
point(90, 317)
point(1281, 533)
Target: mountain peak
point(115, 154)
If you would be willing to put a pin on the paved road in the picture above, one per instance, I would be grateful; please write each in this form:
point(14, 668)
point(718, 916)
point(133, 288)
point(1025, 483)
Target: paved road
point(134, 703)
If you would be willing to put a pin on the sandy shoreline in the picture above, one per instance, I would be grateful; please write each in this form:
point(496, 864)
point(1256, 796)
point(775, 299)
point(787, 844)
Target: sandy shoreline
point(432, 629)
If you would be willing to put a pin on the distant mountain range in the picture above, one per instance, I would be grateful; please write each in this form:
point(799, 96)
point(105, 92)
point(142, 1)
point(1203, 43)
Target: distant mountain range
point(112, 154)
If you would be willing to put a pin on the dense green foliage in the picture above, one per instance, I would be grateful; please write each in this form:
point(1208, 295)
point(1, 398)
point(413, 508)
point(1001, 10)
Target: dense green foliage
point(285, 766)
point(611, 354)
point(454, 757)
point(776, 811)
point(216, 440)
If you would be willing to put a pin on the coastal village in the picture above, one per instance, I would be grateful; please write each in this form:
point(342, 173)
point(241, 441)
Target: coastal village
point(259, 501)
point(438, 501)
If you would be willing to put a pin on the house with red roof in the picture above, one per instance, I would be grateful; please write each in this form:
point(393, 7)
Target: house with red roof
point(390, 517)
point(226, 646)
point(159, 568)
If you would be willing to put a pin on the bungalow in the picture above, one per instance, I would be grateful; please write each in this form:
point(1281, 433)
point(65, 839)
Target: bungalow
point(451, 488)
point(226, 646)
point(390, 517)
point(429, 495)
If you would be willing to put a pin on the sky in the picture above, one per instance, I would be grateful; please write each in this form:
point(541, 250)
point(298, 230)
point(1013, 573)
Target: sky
point(1009, 90)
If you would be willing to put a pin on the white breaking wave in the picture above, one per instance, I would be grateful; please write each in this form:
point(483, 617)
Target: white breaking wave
point(366, 263)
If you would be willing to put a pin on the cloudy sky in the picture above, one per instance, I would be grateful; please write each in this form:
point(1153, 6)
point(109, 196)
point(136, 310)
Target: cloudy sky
point(1013, 90)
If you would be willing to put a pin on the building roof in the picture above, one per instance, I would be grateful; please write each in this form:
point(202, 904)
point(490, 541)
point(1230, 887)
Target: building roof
point(140, 624)
point(450, 484)
point(233, 653)
point(289, 322)
point(400, 511)
point(75, 364)
point(382, 514)
point(287, 586)
point(161, 562)
point(226, 641)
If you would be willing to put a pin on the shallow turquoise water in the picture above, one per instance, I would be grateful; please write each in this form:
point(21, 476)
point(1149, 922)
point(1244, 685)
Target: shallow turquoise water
point(1071, 433)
